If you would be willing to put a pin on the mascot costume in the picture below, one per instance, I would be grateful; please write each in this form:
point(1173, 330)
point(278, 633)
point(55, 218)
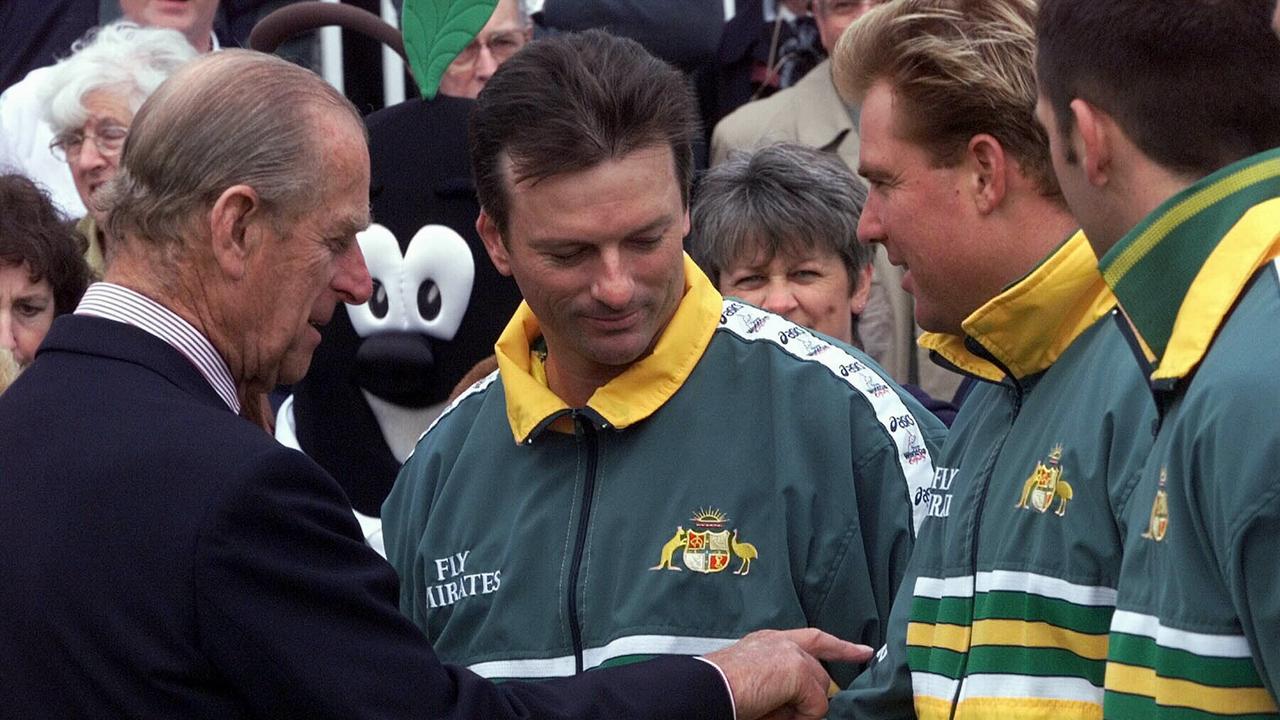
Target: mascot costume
point(384, 369)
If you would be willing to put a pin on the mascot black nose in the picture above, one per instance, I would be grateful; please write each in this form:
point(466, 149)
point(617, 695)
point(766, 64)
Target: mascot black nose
point(395, 366)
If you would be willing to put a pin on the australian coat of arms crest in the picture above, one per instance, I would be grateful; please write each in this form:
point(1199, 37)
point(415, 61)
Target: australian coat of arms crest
point(1046, 485)
point(1158, 523)
point(707, 546)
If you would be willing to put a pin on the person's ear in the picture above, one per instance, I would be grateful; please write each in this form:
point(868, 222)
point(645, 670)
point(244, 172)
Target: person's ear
point(862, 291)
point(987, 164)
point(489, 233)
point(233, 235)
point(1094, 139)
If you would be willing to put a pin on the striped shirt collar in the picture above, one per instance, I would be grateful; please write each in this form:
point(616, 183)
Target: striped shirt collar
point(119, 303)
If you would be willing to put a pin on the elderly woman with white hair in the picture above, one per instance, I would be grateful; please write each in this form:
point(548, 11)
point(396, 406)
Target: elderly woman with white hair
point(89, 100)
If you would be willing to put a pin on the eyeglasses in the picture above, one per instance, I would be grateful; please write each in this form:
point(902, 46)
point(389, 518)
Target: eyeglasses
point(502, 45)
point(845, 8)
point(109, 139)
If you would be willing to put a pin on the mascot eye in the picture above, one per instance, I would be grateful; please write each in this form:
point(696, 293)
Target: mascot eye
point(378, 304)
point(429, 300)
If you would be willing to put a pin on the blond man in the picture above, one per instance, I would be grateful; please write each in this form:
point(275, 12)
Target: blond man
point(1007, 598)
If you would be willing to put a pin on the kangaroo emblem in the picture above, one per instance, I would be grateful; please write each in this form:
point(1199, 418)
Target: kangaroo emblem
point(676, 542)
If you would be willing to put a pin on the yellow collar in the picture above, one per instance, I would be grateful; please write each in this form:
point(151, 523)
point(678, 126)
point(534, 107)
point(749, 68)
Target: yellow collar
point(1251, 243)
point(632, 396)
point(1029, 325)
point(1181, 269)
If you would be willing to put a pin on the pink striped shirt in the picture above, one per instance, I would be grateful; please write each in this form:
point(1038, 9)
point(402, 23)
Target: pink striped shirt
point(119, 303)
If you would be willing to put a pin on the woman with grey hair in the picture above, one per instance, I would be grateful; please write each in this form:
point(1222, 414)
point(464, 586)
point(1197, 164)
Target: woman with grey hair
point(777, 228)
point(89, 100)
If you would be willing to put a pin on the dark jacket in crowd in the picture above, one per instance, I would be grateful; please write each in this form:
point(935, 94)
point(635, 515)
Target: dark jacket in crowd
point(38, 32)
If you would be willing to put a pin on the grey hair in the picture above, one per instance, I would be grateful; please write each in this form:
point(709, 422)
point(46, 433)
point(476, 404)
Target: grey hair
point(235, 117)
point(780, 198)
point(120, 58)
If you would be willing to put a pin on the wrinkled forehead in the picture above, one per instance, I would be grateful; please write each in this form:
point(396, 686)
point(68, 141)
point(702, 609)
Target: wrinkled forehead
point(109, 101)
point(506, 16)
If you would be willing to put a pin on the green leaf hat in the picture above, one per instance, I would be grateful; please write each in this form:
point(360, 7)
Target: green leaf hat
point(435, 31)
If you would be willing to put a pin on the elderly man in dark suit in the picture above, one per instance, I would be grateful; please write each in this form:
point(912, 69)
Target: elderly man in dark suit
point(166, 558)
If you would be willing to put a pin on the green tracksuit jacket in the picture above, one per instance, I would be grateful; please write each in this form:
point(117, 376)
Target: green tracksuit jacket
point(747, 474)
point(1005, 607)
point(1196, 633)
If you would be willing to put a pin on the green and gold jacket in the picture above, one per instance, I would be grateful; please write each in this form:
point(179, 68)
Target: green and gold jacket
point(746, 474)
point(1196, 633)
point(1005, 607)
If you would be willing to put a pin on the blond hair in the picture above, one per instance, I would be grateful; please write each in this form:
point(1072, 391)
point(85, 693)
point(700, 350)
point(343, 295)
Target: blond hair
point(958, 68)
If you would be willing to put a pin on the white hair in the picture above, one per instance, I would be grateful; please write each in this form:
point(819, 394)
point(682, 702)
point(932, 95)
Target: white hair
point(120, 58)
point(523, 12)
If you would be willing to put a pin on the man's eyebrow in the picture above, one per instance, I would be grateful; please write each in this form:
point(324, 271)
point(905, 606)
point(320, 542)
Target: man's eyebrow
point(657, 225)
point(661, 223)
point(870, 171)
point(353, 223)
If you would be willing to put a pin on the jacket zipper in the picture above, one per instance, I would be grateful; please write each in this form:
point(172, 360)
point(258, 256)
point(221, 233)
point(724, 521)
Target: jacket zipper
point(1016, 386)
point(588, 434)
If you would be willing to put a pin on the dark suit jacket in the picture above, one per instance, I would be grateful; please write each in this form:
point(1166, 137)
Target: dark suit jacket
point(38, 32)
point(164, 558)
point(684, 33)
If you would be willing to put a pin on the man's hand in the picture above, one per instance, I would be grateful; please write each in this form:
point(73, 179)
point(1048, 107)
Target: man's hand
point(773, 674)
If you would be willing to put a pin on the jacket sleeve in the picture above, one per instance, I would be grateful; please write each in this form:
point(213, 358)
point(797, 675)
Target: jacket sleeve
point(298, 617)
point(1237, 475)
point(882, 534)
point(1252, 575)
point(1235, 499)
point(883, 691)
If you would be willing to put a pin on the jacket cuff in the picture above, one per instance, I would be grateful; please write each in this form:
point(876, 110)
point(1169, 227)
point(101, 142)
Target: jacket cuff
point(680, 687)
point(728, 689)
